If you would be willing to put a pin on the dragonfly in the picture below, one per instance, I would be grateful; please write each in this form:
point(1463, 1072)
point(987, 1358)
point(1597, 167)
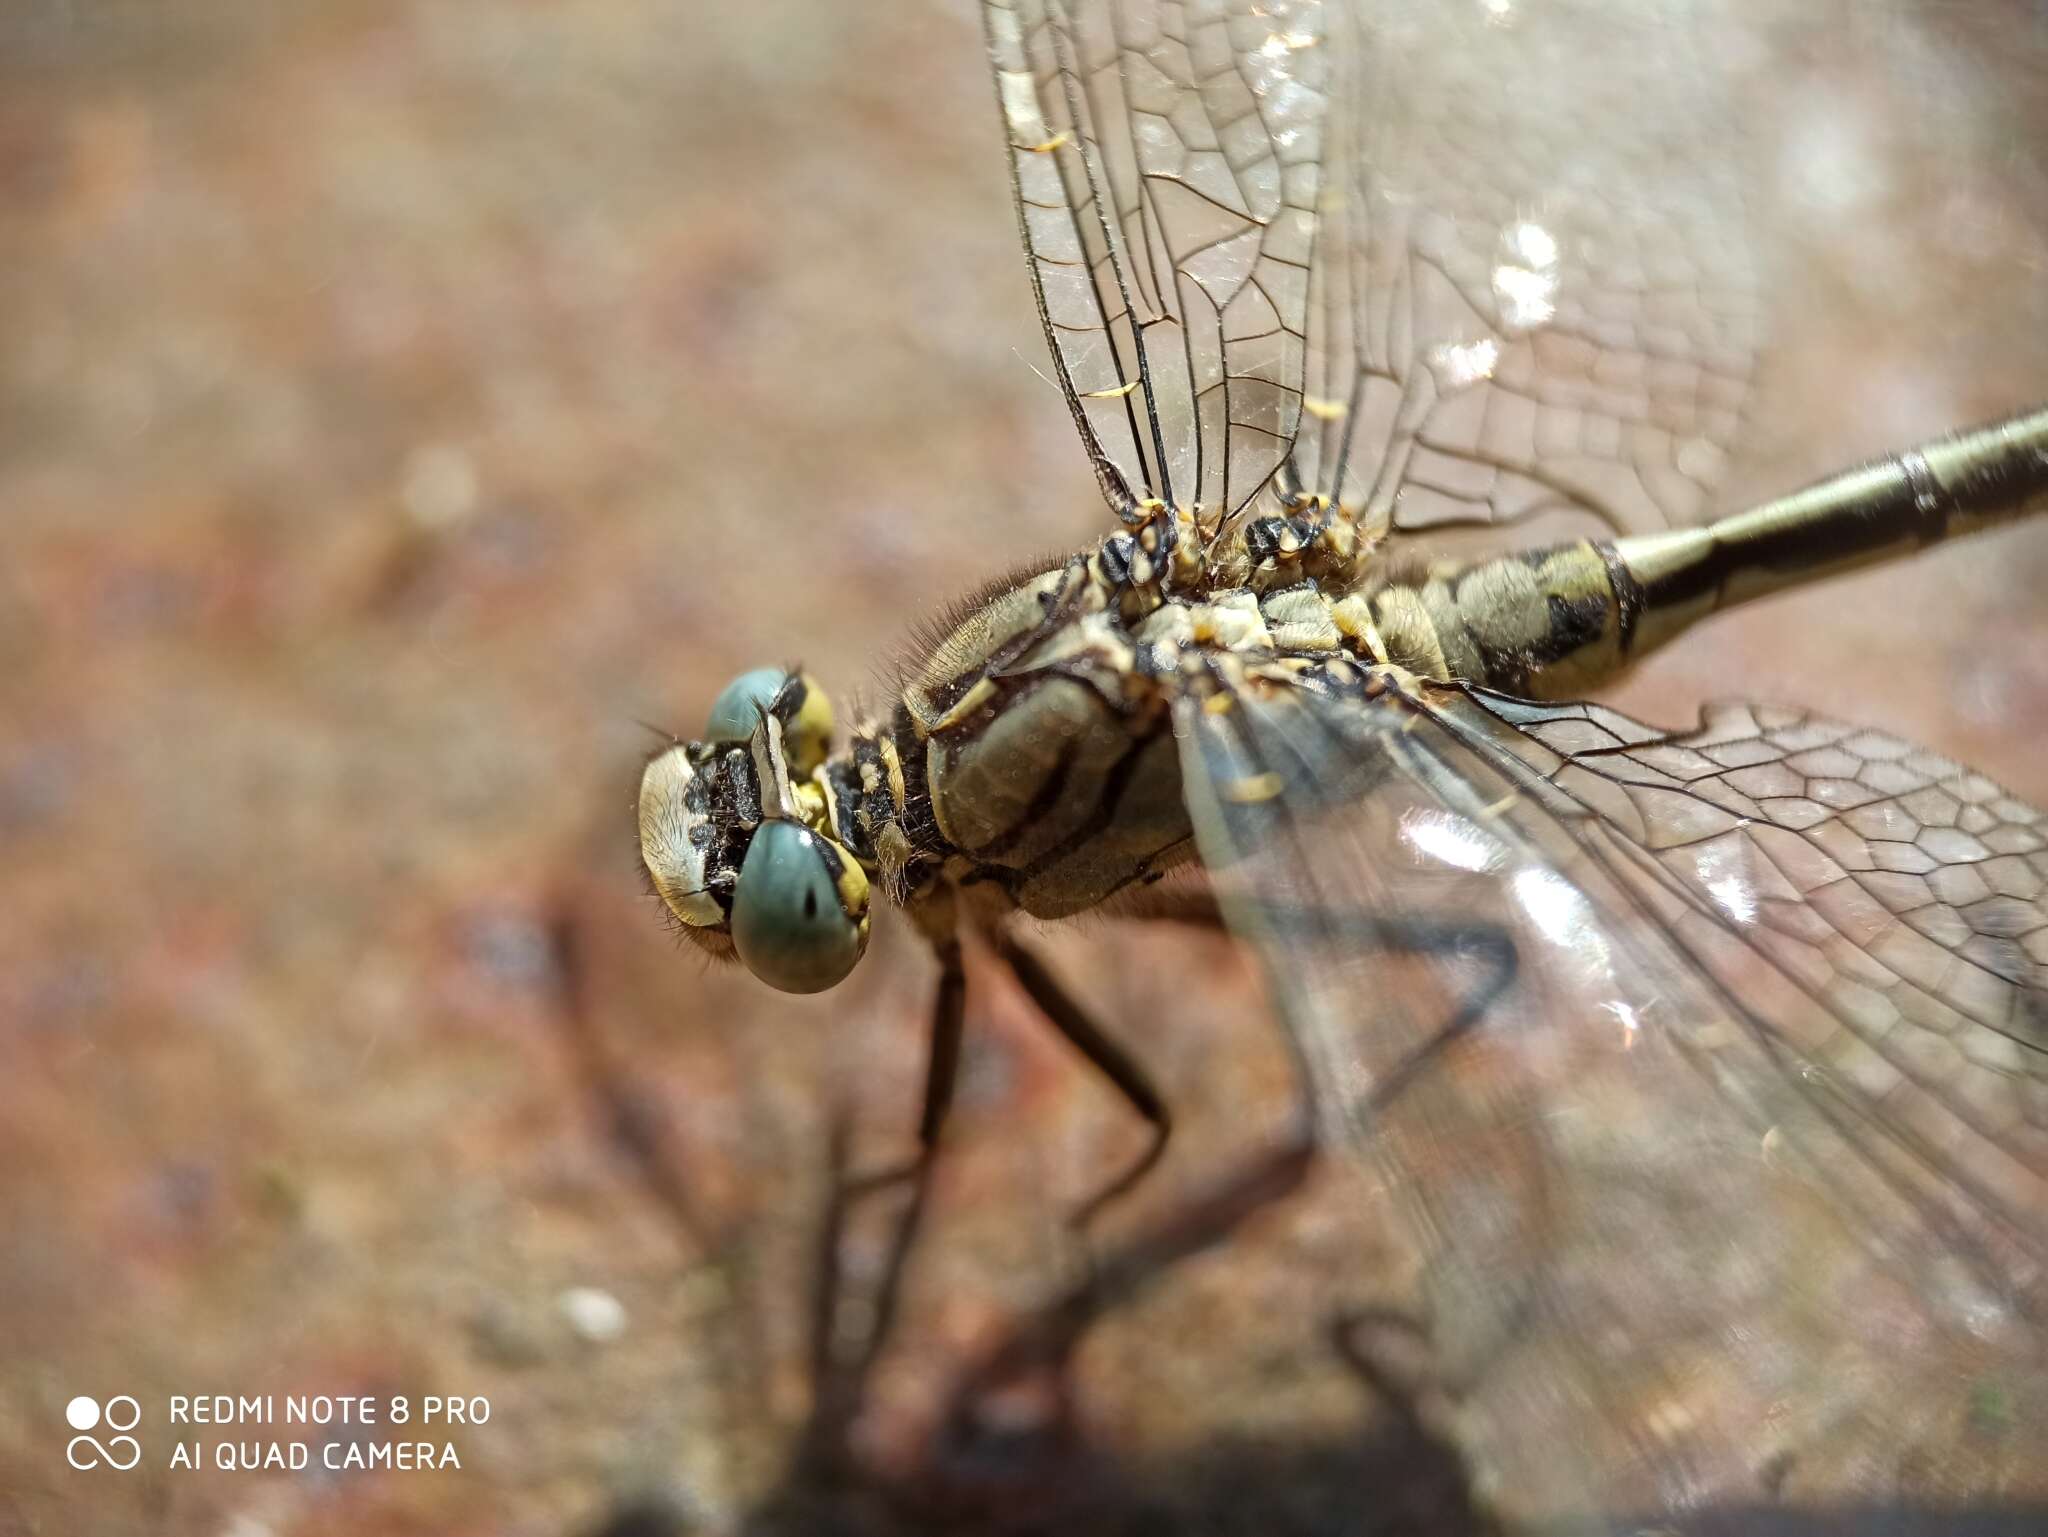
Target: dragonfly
point(1709, 1065)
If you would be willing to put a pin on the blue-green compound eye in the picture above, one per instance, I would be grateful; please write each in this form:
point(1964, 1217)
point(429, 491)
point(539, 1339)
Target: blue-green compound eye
point(737, 710)
point(806, 721)
point(800, 911)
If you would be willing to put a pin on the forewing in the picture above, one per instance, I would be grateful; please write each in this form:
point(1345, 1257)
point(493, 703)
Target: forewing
point(1534, 286)
point(1165, 159)
point(1702, 1230)
point(1503, 249)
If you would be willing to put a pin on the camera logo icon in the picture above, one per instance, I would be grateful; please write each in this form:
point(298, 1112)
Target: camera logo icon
point(120, 1452)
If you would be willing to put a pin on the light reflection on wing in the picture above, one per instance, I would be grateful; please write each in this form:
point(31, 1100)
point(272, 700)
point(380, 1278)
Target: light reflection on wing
point(1498, 251)
point(1704, 1228)
point(1534, 290)
point(1898, 889)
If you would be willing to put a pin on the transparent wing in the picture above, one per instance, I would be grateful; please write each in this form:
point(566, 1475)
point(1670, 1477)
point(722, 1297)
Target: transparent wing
point(1165, 156)
point(1895, 888)
point(1724, 1150)
point(1534, 288)
point(1502, 248)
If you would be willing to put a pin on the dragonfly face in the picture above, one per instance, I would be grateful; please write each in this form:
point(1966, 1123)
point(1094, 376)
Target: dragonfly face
point(735, 835)
point(1700, 1054)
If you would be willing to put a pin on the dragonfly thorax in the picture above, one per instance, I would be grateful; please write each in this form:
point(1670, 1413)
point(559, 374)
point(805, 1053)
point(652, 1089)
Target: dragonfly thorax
point(1036, 739)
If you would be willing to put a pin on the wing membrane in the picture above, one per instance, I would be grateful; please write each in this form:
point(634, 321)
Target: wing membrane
point(1165, 159)
point(1688, 1252)
point(1897, 893)
point(1501, 249)
point(1536, 288)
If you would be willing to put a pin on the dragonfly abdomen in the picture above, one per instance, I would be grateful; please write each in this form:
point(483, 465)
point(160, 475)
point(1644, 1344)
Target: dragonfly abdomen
point(1539, 624)
point(1554, 623)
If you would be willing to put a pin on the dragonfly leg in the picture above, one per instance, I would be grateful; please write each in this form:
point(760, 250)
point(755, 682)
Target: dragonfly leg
point(1487, 944)
point(1109, 1059)
point(949, 1014)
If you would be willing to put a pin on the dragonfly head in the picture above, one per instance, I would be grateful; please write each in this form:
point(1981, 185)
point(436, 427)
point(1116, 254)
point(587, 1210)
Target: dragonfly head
point(736, 836)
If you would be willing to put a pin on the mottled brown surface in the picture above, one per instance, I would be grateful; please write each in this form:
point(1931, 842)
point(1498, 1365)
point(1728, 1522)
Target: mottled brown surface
point(400, 401)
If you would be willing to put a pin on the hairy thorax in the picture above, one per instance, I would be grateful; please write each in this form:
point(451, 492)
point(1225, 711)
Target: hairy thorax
point(1031, 760)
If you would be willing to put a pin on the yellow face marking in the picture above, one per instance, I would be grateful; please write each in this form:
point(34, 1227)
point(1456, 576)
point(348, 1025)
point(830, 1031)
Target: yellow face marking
point(1218, 704)
point(813, 810)
point(1259, 787)
point(853, 893)
point(808, 738)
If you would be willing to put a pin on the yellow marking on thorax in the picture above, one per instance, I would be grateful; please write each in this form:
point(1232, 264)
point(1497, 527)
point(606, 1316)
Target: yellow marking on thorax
point(1407, 634)
point(1006, 617)
point(892, 762)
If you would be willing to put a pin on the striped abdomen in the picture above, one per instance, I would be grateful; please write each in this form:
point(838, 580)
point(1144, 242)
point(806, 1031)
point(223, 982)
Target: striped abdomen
point(1554, 623)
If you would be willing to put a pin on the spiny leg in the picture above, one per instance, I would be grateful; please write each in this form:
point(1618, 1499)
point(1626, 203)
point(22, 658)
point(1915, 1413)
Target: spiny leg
point(949, 1013)
point(1108, 1058)
point(1048, 1339)
point(1427, 937)
point(942, 1069)
point(1071, 1020)
point(1066, 1016)
point(1487, 943)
